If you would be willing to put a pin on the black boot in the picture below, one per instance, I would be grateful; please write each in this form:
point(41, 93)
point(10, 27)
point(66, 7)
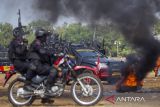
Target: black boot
point(47, 100)
point(50, 82)
point(48, 90)
point(47, 97)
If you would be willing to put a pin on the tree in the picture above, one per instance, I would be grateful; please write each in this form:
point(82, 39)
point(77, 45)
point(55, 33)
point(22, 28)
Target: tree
point(74, 32)
point(40, 24)
point(5, 33)
point(111, 35)
point(157, 27)
point(108, 33)
point(32, 26)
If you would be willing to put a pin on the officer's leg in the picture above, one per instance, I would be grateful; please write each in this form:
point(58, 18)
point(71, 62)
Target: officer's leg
point(50, 72)
point(51, 78)
point(29, 75)
point(21, 66)
point(24, 66)
point(31, 72)
point(43, 69)
point(46, 70)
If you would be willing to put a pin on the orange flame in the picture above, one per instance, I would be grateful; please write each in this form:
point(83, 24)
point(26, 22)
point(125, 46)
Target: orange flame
point(131, 80)
point(157, 66)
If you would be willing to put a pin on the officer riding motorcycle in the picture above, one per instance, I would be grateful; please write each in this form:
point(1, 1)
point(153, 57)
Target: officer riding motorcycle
point(39, 57)
point(45, 82)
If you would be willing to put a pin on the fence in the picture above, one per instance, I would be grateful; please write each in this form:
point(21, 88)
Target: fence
point(4, 61)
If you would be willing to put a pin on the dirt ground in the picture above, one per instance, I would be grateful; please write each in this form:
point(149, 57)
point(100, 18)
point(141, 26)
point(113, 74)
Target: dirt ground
point(150, 94)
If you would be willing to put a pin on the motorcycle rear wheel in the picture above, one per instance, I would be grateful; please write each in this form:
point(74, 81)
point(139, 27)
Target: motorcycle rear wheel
point(14, 101)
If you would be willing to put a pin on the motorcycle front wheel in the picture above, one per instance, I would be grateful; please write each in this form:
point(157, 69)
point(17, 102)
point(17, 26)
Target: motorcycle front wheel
point(15, 94)
point(87, 90)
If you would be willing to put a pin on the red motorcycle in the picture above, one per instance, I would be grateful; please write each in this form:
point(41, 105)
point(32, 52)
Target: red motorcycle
point(99, 69)
point(86, 88)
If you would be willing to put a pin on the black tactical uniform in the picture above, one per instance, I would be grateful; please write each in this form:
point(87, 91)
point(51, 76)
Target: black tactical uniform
point(40, 57)
point(18, 53)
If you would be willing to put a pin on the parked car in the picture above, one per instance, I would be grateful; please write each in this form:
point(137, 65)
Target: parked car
point(88, 57)
point(115, 65)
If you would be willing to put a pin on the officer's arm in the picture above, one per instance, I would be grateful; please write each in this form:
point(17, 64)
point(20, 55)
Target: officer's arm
point(39, 49)
point(42, 51)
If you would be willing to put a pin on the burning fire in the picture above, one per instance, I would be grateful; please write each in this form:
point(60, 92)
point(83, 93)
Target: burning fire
point(157, 67)
point(131, 80)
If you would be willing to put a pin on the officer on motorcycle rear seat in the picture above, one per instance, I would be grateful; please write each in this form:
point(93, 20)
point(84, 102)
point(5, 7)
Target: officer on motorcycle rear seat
point(17, 53)
point(39, 57)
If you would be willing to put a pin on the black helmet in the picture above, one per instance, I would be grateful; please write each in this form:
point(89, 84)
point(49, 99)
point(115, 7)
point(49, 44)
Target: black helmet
point(40, 33)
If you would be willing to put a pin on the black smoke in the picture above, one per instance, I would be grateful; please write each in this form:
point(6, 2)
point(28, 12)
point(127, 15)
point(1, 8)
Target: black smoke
point(134, 18)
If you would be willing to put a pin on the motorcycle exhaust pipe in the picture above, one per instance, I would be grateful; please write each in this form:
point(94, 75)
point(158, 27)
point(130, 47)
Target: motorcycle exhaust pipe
point(21, 79)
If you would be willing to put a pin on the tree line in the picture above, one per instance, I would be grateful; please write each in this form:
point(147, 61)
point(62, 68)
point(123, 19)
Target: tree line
point(107, 35)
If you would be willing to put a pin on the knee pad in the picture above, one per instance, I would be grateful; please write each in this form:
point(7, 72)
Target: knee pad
point(53, 72)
